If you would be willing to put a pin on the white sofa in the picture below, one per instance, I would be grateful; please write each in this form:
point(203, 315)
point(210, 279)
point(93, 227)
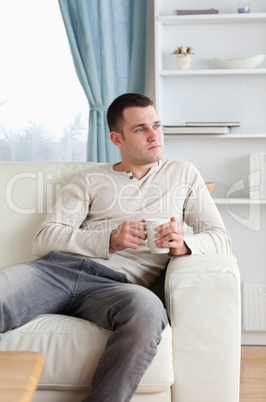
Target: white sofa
point(198, 359)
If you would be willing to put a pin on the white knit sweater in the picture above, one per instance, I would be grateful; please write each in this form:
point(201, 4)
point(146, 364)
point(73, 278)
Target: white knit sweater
point(98, 199)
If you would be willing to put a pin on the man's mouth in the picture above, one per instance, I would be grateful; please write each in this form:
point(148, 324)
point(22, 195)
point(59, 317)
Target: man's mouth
point(154, 146)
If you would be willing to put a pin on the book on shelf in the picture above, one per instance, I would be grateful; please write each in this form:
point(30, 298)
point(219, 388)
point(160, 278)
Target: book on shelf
point(257, 176)
point(195, 130)
point(213, 124)
point(196, 12)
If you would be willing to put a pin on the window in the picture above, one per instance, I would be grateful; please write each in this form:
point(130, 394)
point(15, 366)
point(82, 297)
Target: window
point(43, 108)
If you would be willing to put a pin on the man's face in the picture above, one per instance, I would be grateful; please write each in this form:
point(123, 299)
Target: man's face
point(143, 141)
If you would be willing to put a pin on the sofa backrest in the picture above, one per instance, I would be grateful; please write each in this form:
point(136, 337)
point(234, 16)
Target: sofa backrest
point(27, 191)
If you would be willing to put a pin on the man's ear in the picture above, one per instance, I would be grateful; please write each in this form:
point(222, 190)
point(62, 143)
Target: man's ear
point(116, 139)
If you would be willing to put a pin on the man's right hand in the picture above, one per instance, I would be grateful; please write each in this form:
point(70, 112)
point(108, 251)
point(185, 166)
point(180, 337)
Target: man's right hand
point(127, 235)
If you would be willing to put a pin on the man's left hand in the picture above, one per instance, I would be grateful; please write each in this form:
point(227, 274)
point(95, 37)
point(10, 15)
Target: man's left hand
point(171, 235)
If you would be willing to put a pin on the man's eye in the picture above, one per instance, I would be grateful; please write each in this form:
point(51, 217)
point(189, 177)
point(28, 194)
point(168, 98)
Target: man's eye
point(140, 130)
point(157, 126)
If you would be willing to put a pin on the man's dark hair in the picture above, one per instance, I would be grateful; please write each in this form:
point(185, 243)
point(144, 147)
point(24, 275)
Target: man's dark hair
point(115, 112)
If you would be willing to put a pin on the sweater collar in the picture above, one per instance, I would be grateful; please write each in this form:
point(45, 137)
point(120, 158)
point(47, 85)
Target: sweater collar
point(129, 174)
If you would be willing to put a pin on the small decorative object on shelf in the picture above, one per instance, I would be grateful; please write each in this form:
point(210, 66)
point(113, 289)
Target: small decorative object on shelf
point(183, 56)
point(250, 62)
point(243, 7)
point(211, 186)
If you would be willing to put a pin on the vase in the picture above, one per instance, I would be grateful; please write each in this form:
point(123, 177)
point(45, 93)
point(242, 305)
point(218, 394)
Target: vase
point(183, 61)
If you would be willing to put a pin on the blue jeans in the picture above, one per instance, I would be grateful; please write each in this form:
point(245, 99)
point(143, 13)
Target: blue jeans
point(59, 283)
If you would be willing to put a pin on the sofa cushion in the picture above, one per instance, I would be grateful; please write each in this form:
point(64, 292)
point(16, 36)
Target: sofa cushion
point(72, 348)
point(28, 190)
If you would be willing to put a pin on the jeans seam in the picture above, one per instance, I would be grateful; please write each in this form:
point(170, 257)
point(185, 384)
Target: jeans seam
point(32, 309)
point(80, 274)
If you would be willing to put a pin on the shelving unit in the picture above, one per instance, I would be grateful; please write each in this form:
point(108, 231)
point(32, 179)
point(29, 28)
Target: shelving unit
point(208, 93)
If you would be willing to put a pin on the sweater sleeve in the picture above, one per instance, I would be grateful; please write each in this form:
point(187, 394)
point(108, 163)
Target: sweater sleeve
point(201, 214)
point(62, 229)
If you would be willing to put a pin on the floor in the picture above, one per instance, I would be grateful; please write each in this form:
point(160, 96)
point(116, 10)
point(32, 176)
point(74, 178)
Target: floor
point(253, 374)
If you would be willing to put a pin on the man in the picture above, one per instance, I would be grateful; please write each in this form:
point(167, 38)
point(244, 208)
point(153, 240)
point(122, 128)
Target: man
point(94, 261)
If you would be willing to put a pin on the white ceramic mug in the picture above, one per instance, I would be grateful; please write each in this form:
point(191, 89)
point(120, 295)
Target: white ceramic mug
point(150, 226)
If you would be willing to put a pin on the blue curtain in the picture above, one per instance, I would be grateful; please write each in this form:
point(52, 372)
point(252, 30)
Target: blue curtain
point(107, 40)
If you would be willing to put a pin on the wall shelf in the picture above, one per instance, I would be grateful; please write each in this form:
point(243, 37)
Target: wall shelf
point(176, 73)
point(212, 18)
point(238, 201)
point(250, 136)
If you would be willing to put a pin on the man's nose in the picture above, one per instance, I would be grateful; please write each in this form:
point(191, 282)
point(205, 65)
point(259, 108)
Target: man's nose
point(153, 135)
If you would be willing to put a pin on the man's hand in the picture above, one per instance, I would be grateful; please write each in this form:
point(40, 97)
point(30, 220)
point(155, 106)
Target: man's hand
point(171, 235)
point(127, 235)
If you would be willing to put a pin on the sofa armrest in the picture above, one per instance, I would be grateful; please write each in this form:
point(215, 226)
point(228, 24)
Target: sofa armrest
point(202, 295)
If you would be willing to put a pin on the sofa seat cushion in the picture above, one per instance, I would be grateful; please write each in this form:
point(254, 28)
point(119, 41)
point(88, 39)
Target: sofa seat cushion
point(72, 348)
